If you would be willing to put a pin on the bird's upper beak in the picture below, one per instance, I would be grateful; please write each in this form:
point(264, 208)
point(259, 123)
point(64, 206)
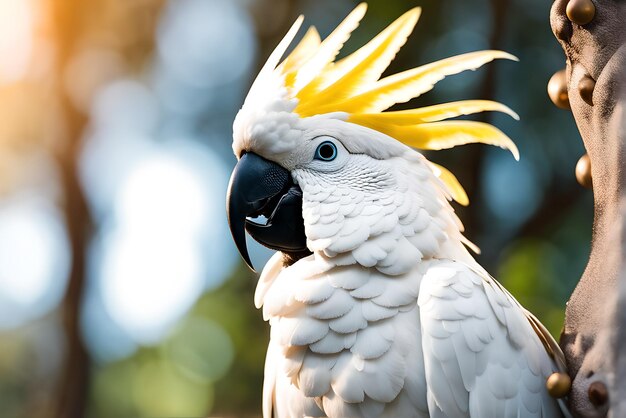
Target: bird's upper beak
point(261, 187)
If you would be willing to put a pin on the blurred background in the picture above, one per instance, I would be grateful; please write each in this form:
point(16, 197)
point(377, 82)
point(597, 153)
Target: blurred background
point(121, 293)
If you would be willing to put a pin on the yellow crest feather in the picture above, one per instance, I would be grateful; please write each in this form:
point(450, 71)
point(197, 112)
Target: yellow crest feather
point(353, 85)
point(433, 113)
point(308, 74)
point(301, 53)
point(456, 190)
point(361, 68)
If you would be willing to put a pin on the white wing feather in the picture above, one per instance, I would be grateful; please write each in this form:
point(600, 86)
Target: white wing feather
point(481, 355)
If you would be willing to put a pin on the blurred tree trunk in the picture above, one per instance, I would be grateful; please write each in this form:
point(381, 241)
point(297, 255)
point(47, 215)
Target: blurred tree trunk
point(73, 385)
point(473, 161)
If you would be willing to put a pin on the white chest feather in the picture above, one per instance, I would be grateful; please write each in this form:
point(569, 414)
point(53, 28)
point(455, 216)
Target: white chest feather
point(345, 342)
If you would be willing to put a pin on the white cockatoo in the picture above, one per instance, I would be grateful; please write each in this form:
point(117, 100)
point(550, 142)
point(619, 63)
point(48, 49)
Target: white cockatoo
point(376, 306)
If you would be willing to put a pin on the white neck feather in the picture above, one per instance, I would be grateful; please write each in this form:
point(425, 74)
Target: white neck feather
point(396, 215)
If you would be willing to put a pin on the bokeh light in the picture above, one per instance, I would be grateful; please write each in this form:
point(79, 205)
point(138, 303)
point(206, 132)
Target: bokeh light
point(16, 21)
point(218, 41)
point(34, 259)
point(148, 283)
point(510, 205)
point(160, 190)
point(155, 261)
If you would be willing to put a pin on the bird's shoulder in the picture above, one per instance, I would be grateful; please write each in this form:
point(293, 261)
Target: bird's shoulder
point(456, 291)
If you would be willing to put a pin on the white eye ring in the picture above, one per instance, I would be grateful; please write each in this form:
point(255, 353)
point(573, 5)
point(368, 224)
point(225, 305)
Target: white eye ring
point(326, 151)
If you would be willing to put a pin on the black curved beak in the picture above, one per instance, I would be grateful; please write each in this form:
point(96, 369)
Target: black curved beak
point(259, 187)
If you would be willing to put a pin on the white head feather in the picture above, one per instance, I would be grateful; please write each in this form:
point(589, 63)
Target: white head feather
point(309, 96)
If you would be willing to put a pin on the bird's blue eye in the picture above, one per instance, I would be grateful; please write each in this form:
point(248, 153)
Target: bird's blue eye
point(326, 151)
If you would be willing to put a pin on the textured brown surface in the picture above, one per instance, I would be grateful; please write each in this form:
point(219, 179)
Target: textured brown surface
point(618, 355)
point(596, 57)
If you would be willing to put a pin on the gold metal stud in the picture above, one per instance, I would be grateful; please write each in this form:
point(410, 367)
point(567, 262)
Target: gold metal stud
point(558, 385)
point(598, 393)
point(583, 171)
point(580, 12)
point(557, 90)
point(585, 88)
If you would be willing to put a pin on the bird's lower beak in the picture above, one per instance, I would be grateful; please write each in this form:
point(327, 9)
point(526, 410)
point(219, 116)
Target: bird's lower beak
point(259, 187)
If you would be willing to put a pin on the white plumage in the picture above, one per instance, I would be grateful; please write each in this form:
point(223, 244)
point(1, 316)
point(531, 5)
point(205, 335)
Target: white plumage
point(390, 315)
point(406, 323)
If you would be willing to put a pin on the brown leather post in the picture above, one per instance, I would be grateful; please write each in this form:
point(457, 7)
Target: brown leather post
point(593, 36)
